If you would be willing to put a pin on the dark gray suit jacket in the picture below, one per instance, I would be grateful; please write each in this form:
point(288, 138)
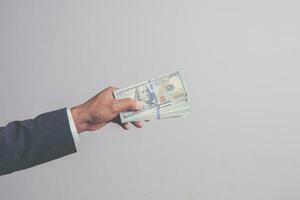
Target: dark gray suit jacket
point(24, 144)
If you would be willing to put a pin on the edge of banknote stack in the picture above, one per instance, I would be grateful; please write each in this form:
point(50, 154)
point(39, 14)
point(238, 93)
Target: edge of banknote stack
point(160, 98)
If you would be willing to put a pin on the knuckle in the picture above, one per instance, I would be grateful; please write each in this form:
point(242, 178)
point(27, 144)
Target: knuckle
point(131, 103)
point(114, 110)
point(114, 107)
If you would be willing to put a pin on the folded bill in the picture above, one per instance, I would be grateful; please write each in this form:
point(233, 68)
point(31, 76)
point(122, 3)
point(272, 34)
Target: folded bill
point(163, 97)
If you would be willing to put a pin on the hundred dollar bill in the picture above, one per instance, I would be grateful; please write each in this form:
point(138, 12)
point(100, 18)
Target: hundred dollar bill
point(153, 95)
point(176, 108)
point(162, 114)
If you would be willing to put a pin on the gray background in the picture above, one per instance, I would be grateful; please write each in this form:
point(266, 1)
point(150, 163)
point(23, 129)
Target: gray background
point(240, 60)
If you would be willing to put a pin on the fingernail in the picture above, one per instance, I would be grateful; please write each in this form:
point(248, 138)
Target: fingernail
point(138, 105)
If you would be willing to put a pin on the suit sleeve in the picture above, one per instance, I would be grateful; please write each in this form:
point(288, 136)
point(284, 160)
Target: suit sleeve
point(24, 144)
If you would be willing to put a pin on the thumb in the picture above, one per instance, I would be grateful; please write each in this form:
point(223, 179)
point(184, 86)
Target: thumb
point(127, 104)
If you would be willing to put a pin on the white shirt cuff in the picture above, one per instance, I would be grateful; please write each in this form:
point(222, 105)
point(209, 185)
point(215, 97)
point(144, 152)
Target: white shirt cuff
point(73, 128)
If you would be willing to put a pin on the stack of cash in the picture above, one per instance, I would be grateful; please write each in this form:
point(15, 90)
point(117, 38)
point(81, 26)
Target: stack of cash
point(163, 97)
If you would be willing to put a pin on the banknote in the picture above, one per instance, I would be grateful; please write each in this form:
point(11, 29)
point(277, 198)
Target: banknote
point(165, 96)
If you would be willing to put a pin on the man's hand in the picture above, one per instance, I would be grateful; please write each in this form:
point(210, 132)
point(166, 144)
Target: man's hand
point(102, 109)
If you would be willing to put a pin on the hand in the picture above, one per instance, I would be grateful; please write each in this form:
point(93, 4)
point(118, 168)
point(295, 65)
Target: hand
point(102, 109)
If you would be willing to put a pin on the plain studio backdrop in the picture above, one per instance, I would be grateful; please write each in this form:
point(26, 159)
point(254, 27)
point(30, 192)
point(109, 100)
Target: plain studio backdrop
point(240, 60)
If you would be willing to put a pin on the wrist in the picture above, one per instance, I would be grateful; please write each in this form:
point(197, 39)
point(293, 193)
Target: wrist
point(79, 118)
